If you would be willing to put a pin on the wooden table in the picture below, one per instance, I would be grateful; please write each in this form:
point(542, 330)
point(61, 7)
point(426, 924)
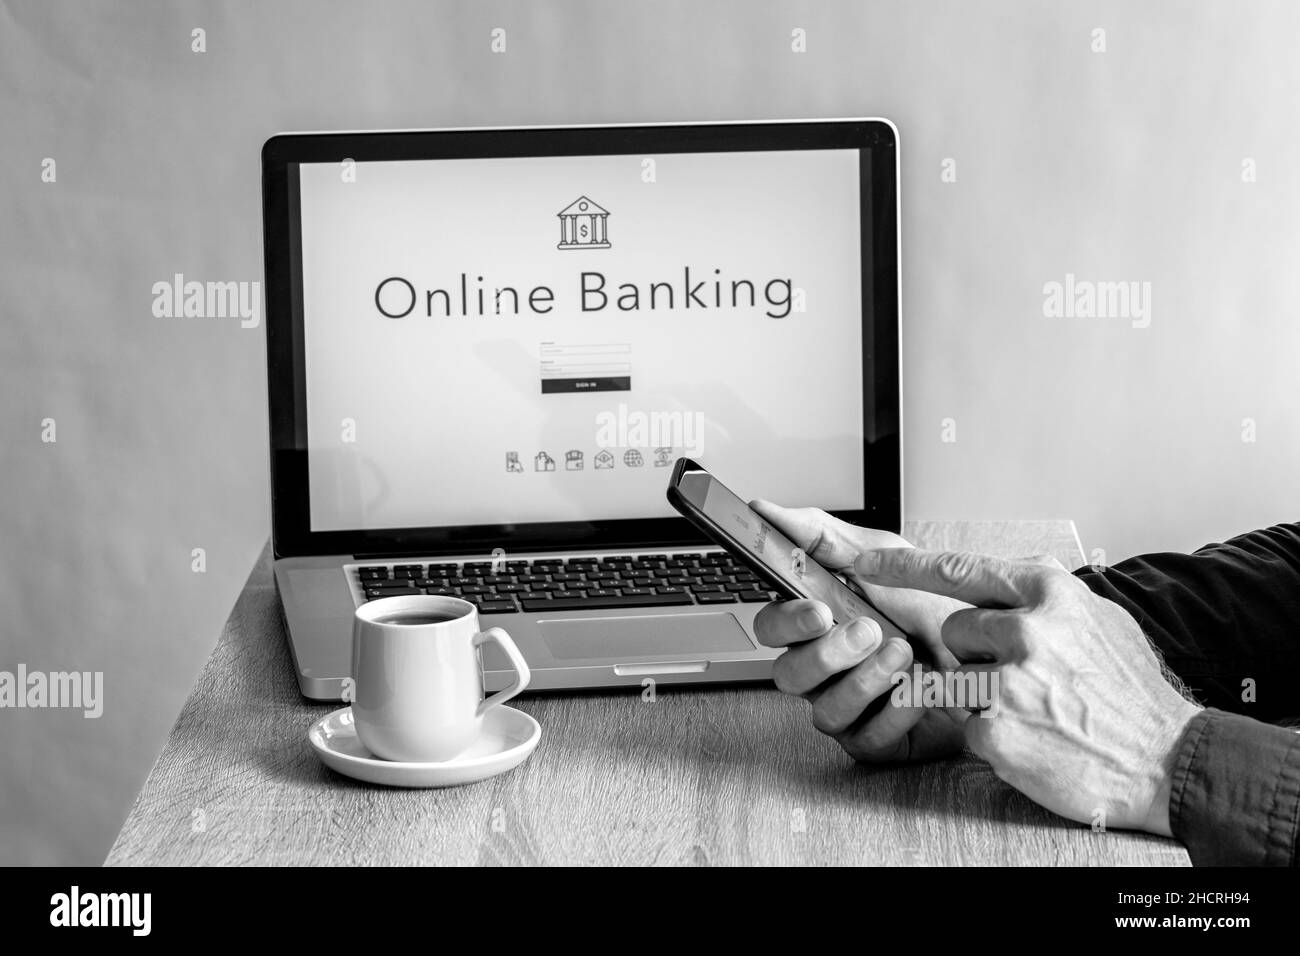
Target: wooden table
point(727, 776)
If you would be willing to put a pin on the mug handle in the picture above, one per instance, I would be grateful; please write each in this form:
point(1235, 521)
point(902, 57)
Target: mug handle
point(522, 674)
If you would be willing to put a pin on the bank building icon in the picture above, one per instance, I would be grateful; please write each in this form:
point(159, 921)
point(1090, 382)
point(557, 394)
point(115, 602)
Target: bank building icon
point(584, 225)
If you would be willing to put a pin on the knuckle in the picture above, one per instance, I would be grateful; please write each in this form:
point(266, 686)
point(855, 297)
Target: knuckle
point(1059, 583)
point(866, 677)
point(821, 658)
point(824, 718)
point(954, 567)
point(781, 673)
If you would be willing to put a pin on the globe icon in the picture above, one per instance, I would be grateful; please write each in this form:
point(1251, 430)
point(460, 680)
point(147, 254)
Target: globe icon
point(632, 458)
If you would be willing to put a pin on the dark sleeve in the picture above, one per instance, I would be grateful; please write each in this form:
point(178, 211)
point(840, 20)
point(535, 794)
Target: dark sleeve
point(1236, 791)
point(1227, 621)
point(1226, 618)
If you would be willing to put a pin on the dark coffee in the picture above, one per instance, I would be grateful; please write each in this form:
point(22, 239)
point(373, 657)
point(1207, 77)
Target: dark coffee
point(416, 618)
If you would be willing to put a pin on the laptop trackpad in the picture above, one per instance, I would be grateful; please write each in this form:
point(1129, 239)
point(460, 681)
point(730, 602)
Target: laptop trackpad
point(651, 636)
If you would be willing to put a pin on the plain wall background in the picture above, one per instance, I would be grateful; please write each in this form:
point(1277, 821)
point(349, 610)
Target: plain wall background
point(1122, 165)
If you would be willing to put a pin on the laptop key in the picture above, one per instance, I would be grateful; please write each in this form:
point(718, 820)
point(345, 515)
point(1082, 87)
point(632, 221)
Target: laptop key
point(635, 591)
point(565, 595)
point(389, 592)
point(671, 589)
point(753, 597)
point(720, 598)
point(441, 591)
point(603, 592)
point(496, 607)
point(390, 583)
point(585, 604)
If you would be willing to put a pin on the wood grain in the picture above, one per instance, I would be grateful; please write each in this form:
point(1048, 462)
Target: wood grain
point(723, 776)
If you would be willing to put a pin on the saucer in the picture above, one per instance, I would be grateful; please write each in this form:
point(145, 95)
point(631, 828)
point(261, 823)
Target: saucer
point(508, 737)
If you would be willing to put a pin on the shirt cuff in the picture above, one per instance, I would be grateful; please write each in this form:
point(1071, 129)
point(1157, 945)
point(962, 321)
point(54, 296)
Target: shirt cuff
point(1236, 791)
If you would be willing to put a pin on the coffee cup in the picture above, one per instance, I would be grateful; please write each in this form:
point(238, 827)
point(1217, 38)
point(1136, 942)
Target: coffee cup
point(417, 678)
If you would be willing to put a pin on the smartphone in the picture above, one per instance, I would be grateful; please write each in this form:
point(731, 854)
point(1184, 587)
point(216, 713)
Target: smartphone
point(730, 522)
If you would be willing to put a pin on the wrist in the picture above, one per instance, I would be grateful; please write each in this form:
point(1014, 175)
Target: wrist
point(1168, 729)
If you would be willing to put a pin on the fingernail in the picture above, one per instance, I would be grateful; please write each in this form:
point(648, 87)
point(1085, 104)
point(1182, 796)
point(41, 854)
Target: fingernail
point(894, 655)
point(812, 621)
point(868, 562)
point(863, 636)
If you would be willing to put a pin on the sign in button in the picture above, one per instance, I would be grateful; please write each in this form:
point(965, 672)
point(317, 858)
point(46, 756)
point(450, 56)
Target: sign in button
point(605, 367)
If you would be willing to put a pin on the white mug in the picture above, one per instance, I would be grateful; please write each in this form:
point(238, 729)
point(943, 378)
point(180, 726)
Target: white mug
point(418, 688)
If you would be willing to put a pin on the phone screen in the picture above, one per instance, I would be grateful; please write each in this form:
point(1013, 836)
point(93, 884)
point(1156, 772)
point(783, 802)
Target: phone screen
point(736, 526)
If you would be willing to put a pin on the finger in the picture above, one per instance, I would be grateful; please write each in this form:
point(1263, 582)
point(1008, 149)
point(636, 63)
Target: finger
point(883, 737)
point(982, 734)
point(918, 613)
point(783, 623)
point(974, 578)
point(1046, 560)
point(827, 540)
point(842, 702)
point(807, 666)
point(832, 543)
point(979, 634)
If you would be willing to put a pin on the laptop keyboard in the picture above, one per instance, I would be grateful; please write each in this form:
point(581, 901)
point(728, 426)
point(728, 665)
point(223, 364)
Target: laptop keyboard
point(575, 584)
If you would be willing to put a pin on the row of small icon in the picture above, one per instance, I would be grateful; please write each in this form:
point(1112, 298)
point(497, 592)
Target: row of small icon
point(575, 460)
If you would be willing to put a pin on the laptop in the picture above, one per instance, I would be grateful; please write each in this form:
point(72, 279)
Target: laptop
point(487, 347)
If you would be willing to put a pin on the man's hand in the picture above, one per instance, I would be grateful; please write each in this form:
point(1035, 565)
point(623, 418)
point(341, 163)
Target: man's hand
point(1085, 724)
point(843, 669)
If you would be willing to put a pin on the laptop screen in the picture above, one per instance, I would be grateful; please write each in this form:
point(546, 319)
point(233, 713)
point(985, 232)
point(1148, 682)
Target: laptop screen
point(492, 341)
